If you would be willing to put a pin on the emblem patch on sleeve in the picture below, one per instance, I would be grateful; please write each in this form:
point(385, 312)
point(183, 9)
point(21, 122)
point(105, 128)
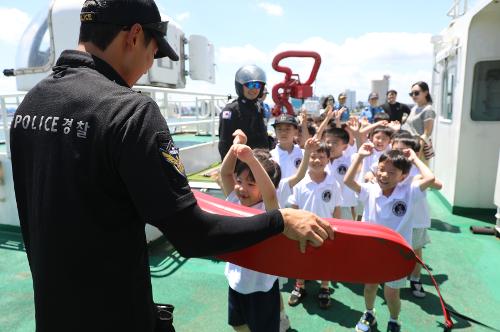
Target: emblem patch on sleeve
point(226, 115)
point(170, 152)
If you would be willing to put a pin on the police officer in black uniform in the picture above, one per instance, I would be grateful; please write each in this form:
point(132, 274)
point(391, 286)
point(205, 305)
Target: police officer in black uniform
point(93, 161)
point(246, 112)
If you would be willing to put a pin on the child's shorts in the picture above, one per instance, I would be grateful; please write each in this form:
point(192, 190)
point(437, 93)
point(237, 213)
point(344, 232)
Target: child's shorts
point(345, 213)
point(420, 238)
point(397, 284)
point(259, 310)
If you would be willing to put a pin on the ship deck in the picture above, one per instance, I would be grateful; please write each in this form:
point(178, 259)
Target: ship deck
point(465, 266)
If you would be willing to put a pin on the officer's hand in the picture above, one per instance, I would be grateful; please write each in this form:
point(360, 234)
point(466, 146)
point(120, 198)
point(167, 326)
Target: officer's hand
point(306, 227)
point(239, 137)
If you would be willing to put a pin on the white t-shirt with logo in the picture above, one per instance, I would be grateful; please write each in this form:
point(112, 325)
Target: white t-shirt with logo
point(396, 211)
point(243, 280)
point(422, 218)
point(289, 162)
point(337, 169)
point(319, 198)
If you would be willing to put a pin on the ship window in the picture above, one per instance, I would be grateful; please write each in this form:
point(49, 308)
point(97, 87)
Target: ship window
point(35, 45)
point(486, 91)
point(449, 82)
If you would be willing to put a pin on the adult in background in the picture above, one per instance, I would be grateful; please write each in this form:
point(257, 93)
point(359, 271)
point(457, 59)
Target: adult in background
point(372, 109)
point(246, 112)
point(96, 163)
point(326, 102)
point(420, 121)
point(346, 113)
point(395, 109)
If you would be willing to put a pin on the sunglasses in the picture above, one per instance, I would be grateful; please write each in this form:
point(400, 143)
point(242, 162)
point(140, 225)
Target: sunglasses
point(414, 93)
point(254, 85)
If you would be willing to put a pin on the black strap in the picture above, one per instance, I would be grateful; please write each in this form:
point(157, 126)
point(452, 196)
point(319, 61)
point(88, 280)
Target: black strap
point(472, 320)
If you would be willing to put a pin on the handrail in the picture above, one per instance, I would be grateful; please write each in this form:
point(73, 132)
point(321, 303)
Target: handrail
point(213, 103)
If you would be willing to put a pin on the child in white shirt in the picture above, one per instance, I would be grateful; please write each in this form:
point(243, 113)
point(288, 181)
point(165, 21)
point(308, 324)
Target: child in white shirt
point(287, 154)
point(422, 221)
point(254, 297)
point(337, 140)
point(320, 194)
point(392, 205)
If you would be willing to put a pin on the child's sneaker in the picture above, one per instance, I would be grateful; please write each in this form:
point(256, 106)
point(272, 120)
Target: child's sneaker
point(284, 322)
point(417, 289)
point(366, 322)
point(393, 327)
point(297, 296)
point(324, 298)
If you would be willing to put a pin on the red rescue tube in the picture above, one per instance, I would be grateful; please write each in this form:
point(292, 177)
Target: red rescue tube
point(360, 252)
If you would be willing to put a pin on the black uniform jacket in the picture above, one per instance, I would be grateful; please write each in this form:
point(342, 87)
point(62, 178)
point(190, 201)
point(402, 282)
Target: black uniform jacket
point(93, 161)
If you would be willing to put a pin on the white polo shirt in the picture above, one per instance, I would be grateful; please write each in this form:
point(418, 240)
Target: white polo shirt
point(337, 169)
point(289, 162)
point(283, 192)
point(370, 163)
point(351, 149)
point(243, 280)
point(422, 218)
point(396, 211)
point(319, 198)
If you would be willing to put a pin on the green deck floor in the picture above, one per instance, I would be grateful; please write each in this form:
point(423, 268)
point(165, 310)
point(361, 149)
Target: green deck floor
point(465, 265)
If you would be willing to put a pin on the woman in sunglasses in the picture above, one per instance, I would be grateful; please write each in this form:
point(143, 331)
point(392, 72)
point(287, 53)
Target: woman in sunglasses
point(421, 119)
point(246, 112)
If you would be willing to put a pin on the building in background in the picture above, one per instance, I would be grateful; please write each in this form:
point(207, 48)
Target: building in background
point(381, 87)
point(351, 99)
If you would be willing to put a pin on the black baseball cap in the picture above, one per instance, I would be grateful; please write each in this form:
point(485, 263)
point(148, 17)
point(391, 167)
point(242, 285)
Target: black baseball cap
point(127, 13)
point(286, 118)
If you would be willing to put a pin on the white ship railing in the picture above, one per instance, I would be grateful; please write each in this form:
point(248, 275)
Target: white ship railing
point(202, 117)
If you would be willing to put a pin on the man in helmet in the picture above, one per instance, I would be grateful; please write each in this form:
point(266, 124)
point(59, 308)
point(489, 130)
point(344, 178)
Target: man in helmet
point(245, 113)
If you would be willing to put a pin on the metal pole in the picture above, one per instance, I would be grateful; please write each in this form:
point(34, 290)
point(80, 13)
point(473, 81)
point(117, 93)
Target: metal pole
point(3, 112)
point(196, 103)
point(212, 114)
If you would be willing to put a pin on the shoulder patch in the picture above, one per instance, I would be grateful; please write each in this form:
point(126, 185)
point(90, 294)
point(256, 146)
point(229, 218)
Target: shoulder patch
point(170, 152)
point(226, 115)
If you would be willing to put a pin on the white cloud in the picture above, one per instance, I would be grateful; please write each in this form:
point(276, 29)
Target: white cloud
point(183, 16)
point(246, 54)
point(405, 57)
point(12, 24)
point(353, 64)
point(271, 9)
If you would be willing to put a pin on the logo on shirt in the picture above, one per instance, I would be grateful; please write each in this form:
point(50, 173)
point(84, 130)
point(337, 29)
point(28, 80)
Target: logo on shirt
point(399, 208)
point(297, 162)
point(342, 169)
point(226, 115)
point(326, 196)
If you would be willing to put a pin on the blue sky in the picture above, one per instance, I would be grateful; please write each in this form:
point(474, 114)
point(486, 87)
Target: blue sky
point(358, 40)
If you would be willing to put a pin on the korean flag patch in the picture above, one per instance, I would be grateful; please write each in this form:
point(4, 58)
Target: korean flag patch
point(170, 152)
point(226, 115)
